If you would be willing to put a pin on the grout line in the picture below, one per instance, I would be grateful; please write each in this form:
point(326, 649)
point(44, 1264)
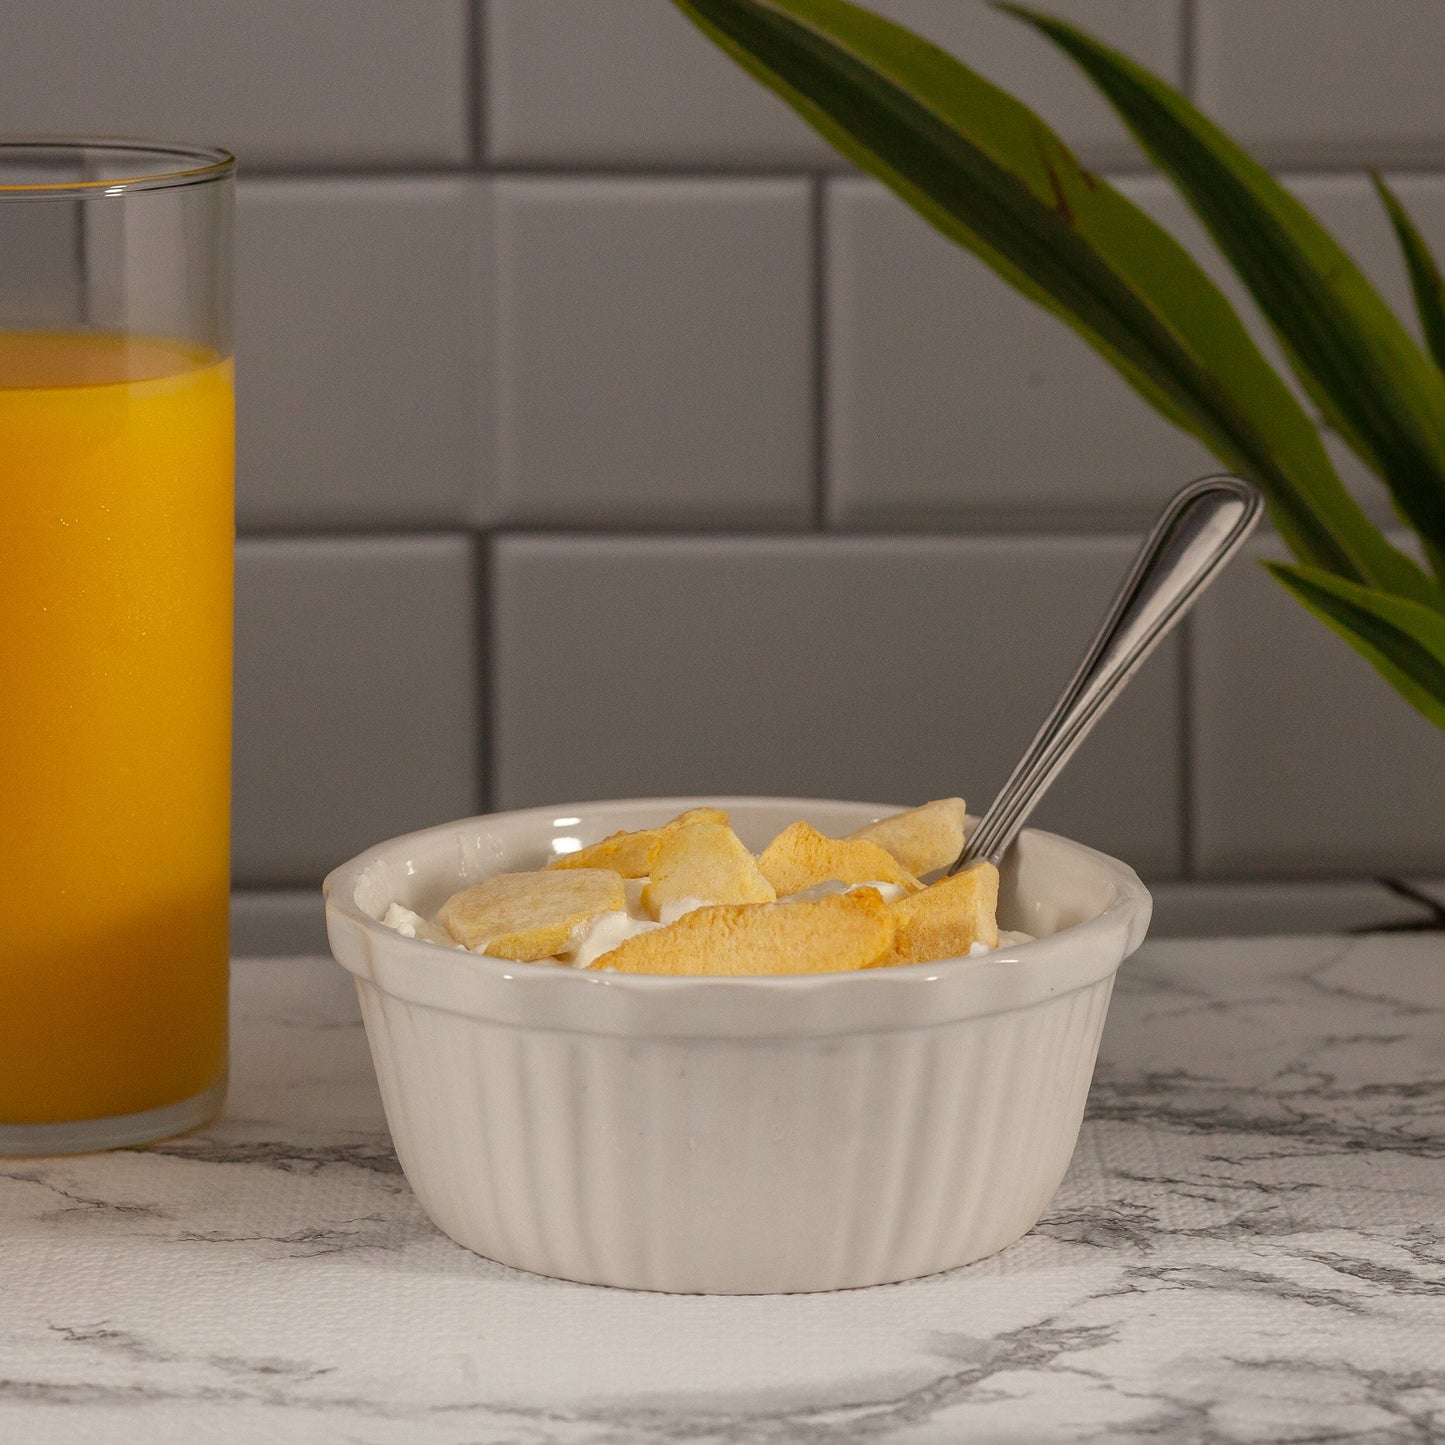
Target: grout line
point(484, 570)
point(476, 52)
point(644, 169)
point(418, 170)
point(1186, 748)
point(256, 884)
point(924, 535)
point(1188, 49)
point(423, 169)
point(402, 530)
point(1286, 167)
point(821, 458)
point(971, 528)
point(342, 531)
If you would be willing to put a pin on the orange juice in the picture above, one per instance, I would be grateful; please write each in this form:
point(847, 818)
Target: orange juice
point(116, 545)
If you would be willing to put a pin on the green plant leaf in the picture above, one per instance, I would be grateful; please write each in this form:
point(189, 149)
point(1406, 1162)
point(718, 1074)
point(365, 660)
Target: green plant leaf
point(1429, 292)
point(1425, 281)
point(1403, 640)
point(1359, 364)
point(989, 174)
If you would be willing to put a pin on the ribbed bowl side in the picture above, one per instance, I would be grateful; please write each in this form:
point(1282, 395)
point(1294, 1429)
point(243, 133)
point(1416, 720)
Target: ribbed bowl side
point(732, 1165)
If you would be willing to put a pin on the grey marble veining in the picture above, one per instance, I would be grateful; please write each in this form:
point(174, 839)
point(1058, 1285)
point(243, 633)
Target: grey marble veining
point(1249, 1246)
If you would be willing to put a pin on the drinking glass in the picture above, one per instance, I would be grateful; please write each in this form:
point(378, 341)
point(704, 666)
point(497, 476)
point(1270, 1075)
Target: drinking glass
point(116, 548)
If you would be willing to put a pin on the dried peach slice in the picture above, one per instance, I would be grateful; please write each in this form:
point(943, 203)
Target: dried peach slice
point(801, 856)
point(948, 917)
point(842, 932)
point(630, 854)
point(921, 839)
point(527, 916)
point(705, 861)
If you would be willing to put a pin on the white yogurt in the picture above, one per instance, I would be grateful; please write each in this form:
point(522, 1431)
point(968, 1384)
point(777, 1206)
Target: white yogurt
point(603, 934)
point(413, 925)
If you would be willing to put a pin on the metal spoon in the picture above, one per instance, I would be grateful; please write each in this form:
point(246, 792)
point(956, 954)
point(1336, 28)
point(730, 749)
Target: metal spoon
point(1196, 534)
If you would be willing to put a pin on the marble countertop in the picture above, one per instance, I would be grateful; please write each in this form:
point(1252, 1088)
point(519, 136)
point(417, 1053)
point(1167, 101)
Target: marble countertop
point(1249, 1246)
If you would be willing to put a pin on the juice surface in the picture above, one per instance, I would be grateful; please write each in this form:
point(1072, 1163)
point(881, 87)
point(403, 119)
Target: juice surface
point(115, 694)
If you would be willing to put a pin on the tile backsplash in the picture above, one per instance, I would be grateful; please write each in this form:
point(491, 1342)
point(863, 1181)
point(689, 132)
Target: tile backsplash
point(602, 433)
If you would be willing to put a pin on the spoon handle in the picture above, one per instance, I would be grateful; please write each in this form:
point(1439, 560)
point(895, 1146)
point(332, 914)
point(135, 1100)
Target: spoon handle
point(1197, 533)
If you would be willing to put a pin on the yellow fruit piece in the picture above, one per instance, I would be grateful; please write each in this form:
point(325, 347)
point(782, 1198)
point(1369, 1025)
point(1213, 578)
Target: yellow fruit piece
point(705, 861)
point(948, 917)
point(527, 916)
point(835, 934)
point(921, 839)
point(631, 854)
point(801, 856)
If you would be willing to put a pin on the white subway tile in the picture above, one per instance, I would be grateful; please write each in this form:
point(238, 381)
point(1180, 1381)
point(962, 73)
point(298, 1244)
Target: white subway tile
point(887, 670)
point(357, 698)
point(1307, 82)
point(1306, 762)
point(364, 347)
point(655, 351)
point(327, 82)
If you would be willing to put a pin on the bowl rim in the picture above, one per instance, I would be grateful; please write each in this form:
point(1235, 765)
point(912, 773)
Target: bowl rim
point(1128, 911)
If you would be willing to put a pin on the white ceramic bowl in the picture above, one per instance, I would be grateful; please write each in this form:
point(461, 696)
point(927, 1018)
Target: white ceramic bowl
point(731, 1135)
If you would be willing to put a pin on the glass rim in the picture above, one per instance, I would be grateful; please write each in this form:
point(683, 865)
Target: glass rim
point(190, 165)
